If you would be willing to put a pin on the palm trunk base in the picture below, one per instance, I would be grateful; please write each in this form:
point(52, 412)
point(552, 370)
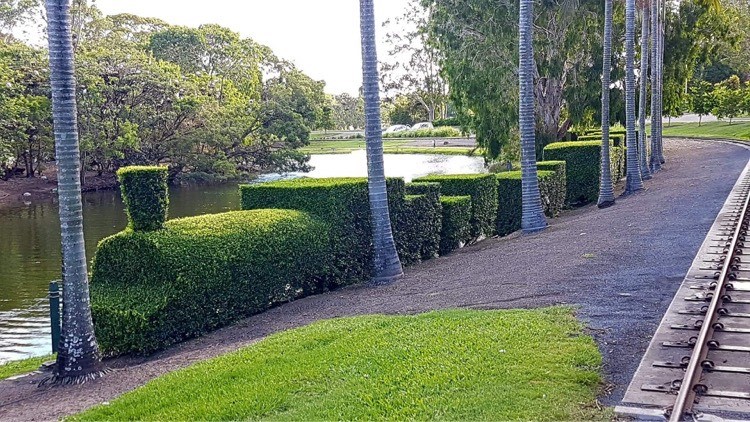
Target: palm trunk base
point(535, 226)
point(62, 380)
point(390, 277)
point(605, 203)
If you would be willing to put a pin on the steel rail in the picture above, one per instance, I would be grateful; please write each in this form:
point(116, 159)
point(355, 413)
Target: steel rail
point(686, 394)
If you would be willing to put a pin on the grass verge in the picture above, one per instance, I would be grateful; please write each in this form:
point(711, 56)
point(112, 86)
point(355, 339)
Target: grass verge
point(710, 130)
point(19, 367)
point(452, 365)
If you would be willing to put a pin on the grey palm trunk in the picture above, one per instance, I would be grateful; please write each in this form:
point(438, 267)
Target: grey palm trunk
point(634, 182)
point(532, 215)
point(655, 162)
point(386, 264)
point(78, 355)
point(662, 20)
point(606, 187)
point(642, 146)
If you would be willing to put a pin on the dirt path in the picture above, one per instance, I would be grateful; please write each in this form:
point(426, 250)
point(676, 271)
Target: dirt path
point(622, 265)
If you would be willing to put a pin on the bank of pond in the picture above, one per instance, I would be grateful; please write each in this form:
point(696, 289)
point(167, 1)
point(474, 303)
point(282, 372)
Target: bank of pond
point(162, 281)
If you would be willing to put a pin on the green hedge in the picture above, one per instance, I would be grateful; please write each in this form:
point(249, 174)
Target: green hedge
point(583, 167)
point(144, 192)
point(152, 289)
point(510, 207)
point(483, 191)
point(553, 200)
point(456, 230)
point(418, 225)
point(616, 140)
point(451, 121)
point(344, 204)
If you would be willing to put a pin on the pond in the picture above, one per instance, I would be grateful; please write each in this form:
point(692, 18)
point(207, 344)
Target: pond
point(30, 236)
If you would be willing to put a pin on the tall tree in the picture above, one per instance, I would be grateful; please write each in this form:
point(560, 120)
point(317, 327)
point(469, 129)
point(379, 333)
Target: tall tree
point(655, 162)
point(532, 217)
point(634, 182)
point(78, 356)
point(642, 150)
point(606, 188)
point(386, 264)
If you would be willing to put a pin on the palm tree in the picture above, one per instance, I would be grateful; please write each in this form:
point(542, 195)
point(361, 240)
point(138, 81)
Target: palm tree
point(642, 150)
point(386, 264)
point(634, 181)
point(661, 27)
point(655, 162)
point(606, 188)
point(78, 356)
point(532, 216)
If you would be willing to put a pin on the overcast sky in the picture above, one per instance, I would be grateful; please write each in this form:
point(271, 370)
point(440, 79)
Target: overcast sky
point(321, 37)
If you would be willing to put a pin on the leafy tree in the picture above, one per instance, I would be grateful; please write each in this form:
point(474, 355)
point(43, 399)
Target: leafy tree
point(386, 263)
point(348, 111)
point(702, 99)
point(729, 98)
point(413, 67)
point(477, 39)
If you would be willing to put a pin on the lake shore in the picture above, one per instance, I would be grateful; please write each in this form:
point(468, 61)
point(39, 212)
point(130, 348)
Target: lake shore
point(19, 191)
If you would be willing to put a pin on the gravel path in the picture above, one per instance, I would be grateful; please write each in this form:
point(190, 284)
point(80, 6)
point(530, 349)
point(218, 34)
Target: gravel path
point(622, 265)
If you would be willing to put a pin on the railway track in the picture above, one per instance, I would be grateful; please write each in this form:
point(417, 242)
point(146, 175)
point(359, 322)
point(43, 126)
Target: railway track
point(697, 366)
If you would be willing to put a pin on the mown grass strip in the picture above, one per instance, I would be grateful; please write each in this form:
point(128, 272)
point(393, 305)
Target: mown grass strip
point(24, 366)
point(451, 365)
point(710, 130)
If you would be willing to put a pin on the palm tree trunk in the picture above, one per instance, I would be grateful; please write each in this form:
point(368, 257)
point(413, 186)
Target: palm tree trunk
point(386, 264)
point(634, 181)
point(642, 147)
point(655, 163)
point(78, 356)
point(532, 215)
point(606, 188)
point(662, 23)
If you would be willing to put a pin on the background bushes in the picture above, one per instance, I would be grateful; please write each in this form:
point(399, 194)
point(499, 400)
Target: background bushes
point(144, 192)
point(482, 188)
point(438, 132)
point(152, 289)
point(582, 160)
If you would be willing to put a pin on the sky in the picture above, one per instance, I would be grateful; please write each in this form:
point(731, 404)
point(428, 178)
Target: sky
point(321, 37)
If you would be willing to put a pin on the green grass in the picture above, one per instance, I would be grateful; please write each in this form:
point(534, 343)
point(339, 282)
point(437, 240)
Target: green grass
point(449, 365)
point(711, 130)
point(19, 367)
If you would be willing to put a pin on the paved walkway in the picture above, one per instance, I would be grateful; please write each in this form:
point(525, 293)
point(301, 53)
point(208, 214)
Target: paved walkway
point(622, 266)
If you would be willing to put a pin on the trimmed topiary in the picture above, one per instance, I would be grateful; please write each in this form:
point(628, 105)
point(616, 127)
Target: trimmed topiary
point(510, 202)
point(153, 289)
point(456, 230)
point(343, 203)
point(144, 192)
point(554, 200)
point(418, 225)
point(483, 191)
point(582, 168)
point(617, 140)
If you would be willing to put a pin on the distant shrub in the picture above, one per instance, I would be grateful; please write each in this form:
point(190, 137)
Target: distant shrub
point(439, 132)
point(617, 140)
point(144, 192)
point(451, 121)
point(483, 191)
point(152, 289)
point(583, 167)
point(418, 225)
point(456, 230)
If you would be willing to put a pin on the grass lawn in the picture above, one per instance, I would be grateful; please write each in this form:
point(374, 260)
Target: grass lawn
point(18, 367)
point(450, 365)
point(720, 130)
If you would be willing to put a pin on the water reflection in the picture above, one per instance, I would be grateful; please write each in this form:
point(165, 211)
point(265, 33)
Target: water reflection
point(30, 236)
